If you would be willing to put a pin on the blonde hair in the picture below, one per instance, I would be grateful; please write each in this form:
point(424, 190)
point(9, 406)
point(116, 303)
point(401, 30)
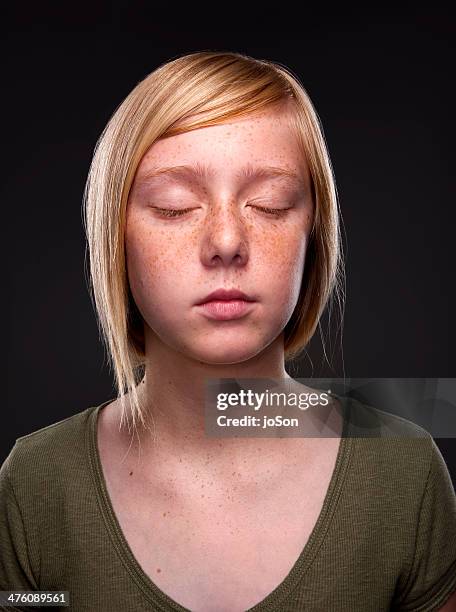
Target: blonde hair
point(193, 91)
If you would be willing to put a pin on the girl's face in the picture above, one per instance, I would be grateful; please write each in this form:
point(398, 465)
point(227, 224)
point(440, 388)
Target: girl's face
point(221, 207)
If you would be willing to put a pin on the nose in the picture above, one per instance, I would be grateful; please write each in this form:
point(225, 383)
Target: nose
point(225, 238)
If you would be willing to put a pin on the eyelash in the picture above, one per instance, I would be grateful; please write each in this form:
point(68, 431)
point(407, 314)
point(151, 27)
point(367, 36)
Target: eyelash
point(169, 212)
point(277, 212)
point(172, 213)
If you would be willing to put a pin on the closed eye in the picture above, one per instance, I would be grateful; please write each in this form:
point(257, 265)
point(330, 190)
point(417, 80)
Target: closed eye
point(171, 212)
point(272, 211)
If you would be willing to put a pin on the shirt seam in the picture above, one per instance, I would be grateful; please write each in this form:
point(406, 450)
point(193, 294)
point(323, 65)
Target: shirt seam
point(27, 538)
point(281, 593)
point(350, 451)
point(109, 522)
point(439, 598)
point(423, 495)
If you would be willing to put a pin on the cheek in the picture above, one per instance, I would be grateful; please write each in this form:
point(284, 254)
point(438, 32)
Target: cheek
point(150, 266)
point(282, 256)
point(151, 254)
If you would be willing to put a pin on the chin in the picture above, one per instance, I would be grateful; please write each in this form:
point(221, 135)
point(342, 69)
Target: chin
point(228, 353)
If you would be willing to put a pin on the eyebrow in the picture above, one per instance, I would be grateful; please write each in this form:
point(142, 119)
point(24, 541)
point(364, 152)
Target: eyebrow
point(201, 173)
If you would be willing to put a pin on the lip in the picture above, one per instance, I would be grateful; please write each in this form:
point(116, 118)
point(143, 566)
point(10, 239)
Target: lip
point(225, 295)
point(226, 304)
point(226, 310)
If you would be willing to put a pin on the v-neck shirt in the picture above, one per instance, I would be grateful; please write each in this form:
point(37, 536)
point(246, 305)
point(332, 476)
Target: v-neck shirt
point(385, 538)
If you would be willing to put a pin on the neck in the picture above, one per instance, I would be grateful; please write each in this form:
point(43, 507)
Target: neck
point(173, 394)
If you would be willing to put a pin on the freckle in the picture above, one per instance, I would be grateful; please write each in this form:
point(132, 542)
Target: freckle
point(158, 570)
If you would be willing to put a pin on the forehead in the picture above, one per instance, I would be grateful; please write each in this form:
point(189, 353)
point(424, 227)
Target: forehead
point(264, 143)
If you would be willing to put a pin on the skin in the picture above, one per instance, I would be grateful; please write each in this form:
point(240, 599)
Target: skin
point(222, 242)
point(450, 605)
point(223, 239)
point(215, 485)
point(204, 494)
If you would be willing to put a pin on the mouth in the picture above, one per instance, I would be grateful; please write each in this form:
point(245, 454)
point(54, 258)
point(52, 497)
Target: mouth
point(226, 310)
point(226, 304)
point(226, 295)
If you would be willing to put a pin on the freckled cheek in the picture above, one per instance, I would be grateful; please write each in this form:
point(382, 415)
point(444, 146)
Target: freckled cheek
point(147, 256)
point(283, 253)
point(279, 269)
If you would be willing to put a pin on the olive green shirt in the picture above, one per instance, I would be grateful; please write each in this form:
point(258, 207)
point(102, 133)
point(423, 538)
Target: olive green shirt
point(385, 538)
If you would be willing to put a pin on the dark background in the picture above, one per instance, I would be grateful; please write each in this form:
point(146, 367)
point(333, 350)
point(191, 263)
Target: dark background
point(381, 83)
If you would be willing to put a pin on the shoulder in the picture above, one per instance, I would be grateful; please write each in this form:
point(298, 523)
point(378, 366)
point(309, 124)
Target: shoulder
point(400, 475)
point(43, 480)
point(45, 458)
point(368, 421)
point(393, 452)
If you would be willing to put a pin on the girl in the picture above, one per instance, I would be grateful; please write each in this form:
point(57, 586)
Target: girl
point(214, 243)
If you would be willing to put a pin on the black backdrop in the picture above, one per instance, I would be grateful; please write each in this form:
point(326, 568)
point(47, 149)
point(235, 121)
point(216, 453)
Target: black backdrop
point(382, 85)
